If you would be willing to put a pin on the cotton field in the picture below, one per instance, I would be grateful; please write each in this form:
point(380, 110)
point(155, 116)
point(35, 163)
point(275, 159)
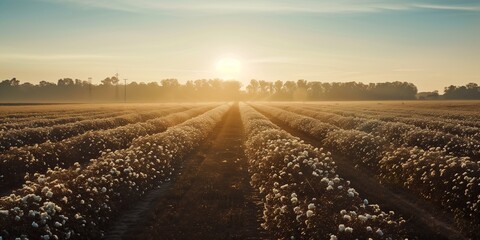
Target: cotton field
point(299, 171)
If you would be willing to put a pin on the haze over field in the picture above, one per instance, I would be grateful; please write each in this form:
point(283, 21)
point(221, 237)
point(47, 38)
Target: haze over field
point(432, 44)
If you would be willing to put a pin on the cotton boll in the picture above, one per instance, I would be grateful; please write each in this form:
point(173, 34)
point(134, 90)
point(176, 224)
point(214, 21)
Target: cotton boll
point(309, 213)
point(362, 218)
point(49, 194)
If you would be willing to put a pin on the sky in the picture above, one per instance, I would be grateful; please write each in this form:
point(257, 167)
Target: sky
point(432, 44)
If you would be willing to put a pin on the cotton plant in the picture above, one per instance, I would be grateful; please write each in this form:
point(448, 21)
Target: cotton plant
point(301, 191)
point(79, 204)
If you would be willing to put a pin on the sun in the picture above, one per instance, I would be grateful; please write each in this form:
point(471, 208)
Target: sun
point(228, 68)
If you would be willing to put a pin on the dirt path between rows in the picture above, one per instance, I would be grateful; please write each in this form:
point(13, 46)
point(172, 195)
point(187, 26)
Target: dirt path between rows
point(423, 220)
point(210, 199)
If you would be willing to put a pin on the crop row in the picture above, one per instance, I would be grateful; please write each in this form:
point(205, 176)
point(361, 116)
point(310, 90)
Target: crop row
point(18, 162)
point(451, 117)
point(451, 182)
point(78, 203)
point(30, 136)
point(303, 196)
point(441, 111)
point(399, 133)
point(50, 112)
point(41, 121)
point(459, 128)
point(28, 115)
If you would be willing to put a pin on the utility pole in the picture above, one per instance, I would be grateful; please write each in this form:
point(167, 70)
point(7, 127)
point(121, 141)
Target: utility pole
point(125, 91)
point(90, 89)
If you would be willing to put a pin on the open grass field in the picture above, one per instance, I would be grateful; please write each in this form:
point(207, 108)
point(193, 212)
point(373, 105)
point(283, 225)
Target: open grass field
point(247, 170)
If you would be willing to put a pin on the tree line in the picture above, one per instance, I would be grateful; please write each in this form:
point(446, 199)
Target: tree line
point(111, 89)
point(469, 91)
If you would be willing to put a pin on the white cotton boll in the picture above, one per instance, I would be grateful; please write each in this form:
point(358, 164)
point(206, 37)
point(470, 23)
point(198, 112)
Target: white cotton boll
point(37, 198)
point(44, 216)
point(333, 237)
point(49, 194)
point(348, 229)
point(365, 201)
point(104, 189)
point(369, 229)
point(329, 188)
point(296, 210)
point(311, 206)
point(4, 212)
point(379, 232)
point(309, 213)
point(294, 200)
point(294, 195)
point(351, 194)
point(17, 218)
point(31, 213)
point(341, 228)
point(362, 218)
point(34, 224)
point(347, 217)
point(57, 224)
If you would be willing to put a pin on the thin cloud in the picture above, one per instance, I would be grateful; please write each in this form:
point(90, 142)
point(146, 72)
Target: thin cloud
point(264, 6)
point(448, 7)
point(46, 57)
